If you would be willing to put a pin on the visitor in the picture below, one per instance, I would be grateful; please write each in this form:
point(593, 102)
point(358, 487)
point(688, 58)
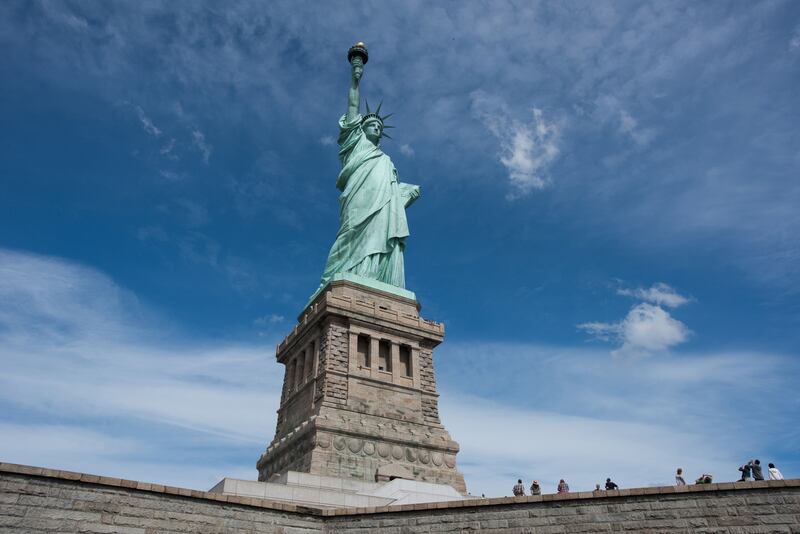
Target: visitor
point(563, 487)
point(755, 466)
point(519, 489)
point(535, 488)
point(679, 481)
point(745, 469)
point(705, 478)
point(774, 473)
point(610, 485)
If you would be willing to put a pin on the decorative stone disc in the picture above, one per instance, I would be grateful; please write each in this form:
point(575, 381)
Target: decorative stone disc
point(397, 452)
point(424, 457)
point(384, 450)
point(354, 445)
point(339, 443)
point(436, 458)
point(411, 455)
point(369, 448)
point(450, 461)
point(323, 441)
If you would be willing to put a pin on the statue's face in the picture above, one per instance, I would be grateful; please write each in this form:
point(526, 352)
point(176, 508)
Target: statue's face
point(372, 130)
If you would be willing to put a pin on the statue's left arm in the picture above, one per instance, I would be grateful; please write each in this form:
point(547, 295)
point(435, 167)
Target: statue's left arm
point(409, 192)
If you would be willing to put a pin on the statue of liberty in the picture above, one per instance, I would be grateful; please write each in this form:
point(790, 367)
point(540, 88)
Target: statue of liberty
point(372, 217)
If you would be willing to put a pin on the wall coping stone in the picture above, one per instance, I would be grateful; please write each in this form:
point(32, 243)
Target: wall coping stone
point(84, 478)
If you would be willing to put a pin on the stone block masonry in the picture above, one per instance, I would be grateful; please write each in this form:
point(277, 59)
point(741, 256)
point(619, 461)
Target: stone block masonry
point(36, 500)
point(44, 500)
point(359, 392)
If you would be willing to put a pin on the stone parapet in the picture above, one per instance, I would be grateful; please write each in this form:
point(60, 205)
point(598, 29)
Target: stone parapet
point(34, 499)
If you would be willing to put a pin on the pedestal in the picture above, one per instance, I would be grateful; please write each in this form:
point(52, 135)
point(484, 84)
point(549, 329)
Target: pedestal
point(359, 396)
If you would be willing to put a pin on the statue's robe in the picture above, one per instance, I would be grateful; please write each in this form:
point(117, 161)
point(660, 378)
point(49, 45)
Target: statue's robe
point(372, 217)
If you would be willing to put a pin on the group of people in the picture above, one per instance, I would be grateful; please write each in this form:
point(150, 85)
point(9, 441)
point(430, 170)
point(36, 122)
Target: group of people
point(754, 467)
point(751, 468)
point(563, 487)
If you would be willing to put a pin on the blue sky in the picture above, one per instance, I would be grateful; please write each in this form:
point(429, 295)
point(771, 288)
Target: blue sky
point(608, 227)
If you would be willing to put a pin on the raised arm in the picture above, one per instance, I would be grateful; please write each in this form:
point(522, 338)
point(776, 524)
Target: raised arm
point(353, 97)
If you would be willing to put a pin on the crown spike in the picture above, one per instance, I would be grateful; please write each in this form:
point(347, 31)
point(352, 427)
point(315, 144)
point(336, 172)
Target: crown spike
point(366, 101)
point(378, 111)
point(386, 116)
point(384, 134)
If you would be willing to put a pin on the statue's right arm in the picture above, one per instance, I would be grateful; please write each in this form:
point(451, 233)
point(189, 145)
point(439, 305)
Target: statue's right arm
point(353, 96)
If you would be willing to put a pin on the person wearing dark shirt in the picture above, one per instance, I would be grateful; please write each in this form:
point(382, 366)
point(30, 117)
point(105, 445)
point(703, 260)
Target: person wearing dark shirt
point(755, 465)
point(745, 469)
point(519, 489)
point(610, 485)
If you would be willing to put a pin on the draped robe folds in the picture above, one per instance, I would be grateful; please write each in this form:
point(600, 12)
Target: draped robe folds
point(372, 217)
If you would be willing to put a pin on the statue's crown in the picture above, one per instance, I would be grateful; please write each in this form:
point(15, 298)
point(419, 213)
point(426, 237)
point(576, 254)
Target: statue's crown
point(375, 116)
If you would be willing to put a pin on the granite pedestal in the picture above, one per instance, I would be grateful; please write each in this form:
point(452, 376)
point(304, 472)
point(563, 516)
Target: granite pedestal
point(359, 397)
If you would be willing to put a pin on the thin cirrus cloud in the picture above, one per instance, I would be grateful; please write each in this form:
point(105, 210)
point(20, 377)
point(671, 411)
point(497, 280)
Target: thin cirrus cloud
point(670, 78)
point(647, 328)
point(85, 361)
point(567, 413)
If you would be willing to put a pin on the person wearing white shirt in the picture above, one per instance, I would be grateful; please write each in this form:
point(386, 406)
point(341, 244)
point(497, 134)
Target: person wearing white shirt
point(774, 473)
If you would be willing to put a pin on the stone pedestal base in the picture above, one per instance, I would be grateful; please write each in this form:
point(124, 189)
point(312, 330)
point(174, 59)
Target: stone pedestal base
point(359, 392)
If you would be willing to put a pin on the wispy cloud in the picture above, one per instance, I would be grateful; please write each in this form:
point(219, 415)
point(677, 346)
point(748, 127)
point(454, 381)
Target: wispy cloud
point(151, 233)
point(610, 110)
point(527, 149)
point(168, 150)
point(794, 42)
point(192, 213)
point(327, 140)
point(199, 140)
point(270, 319)
point(659, 293)
point(147, 123)
point(563, 412)
point(109, 386)
point(407, 150)
point(88, 353)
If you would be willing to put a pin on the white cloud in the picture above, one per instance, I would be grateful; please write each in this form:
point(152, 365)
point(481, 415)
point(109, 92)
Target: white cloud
point(537, 411)
point(170, 175)
point(199, 140)
point(151, 233)
point(168, 150)
point(76, 347)
point(527, 149)
point(501, 443)
point(647, 329)
point(192, 213)
point(794, 42)
point(327, 140)
point(610, 110)
point(147, 124)
point(659, 293)
point(110, 387)
point(407, 150)
point(269, 319)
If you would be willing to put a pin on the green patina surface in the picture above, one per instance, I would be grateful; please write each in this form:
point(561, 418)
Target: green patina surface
point(372, 219)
